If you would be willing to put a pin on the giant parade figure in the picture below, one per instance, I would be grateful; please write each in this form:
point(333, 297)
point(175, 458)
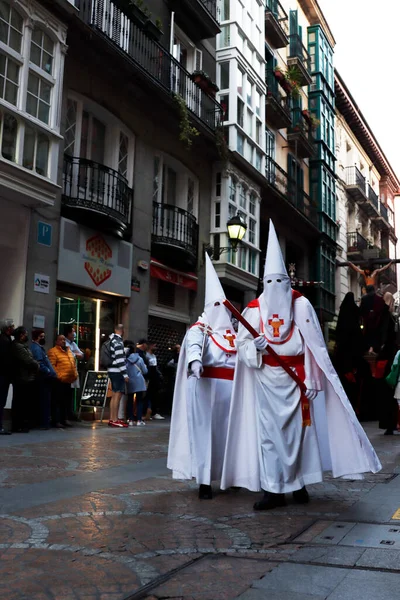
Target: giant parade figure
point(290, 419)
point(203, 390)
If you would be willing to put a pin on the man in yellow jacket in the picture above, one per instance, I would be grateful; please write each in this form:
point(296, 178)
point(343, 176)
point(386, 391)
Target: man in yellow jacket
point(63, 362)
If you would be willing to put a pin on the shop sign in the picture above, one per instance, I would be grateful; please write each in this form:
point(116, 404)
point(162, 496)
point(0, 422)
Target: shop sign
point(135, 285)
point(97, 259)
point(41, 283)
point(44, 233)
point(160, 271)
point(39, 321)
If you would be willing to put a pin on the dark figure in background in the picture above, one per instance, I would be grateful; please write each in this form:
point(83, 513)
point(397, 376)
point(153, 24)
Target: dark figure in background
point(24, 370)
point(141, 348)
point(155, 382)
point(44, 378)
point(6, 331)
point(352, 369)
point(387, 403)
point(372, 310)
point(172, 366)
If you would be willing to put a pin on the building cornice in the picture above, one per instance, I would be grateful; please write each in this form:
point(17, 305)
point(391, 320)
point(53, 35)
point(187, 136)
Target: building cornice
point(348, 108)
point(315, 16)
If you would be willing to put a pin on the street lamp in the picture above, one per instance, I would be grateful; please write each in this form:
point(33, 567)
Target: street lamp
point(237, 228)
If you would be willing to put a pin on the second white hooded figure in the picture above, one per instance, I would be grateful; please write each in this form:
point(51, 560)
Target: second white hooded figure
point(280, 437)
point(203, 390)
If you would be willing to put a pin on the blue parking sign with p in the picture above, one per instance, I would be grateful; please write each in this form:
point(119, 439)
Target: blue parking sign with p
point(44, 233)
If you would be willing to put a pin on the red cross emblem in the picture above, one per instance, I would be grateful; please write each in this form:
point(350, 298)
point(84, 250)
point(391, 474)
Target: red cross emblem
point(276, 323)
point(230, 337)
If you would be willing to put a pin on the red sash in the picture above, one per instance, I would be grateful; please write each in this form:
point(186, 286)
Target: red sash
point(218, 373)
point(297, 362)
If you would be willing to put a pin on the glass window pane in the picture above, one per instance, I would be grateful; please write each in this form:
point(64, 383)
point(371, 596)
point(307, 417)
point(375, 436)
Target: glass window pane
point(45, 91)
point(42, 154)
point(9, 139)
point(29, 147)
point(44, 111)
point(5, 11)
point(11, 92)
point(15, 40)
point(224, 66)
point(12, 71)
point(2, 64)
point(3, 32)
point(33, 84)
point(37, 36)
point(48, 44)
point(47, 62)
point(31, 105)
point(35, 55)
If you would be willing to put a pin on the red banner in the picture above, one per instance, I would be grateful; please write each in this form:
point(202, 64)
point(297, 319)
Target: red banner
point(160, 271)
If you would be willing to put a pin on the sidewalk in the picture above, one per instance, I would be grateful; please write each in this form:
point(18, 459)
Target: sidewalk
point(91, 513)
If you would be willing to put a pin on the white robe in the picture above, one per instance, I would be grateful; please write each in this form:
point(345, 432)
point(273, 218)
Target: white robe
point(267, 447)
point(200, 412)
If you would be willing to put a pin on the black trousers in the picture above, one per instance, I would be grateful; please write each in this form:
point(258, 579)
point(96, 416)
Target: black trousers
point(4, 387)
point(23, 394)
point(60, 401)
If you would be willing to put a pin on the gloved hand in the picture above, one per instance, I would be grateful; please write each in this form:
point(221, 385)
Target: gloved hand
point(196, 369)
point(311, 394)
point(260, 342)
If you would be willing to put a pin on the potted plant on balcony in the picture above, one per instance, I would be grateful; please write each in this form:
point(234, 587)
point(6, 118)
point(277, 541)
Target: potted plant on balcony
point(154, 30)
point(140, 13)
point(212, 88)
point(202, 79)
point(278, 74)
point(186, 131)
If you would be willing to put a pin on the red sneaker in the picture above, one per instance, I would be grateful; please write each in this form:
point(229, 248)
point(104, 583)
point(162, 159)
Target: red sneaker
point(123, 423)
point(115, 424)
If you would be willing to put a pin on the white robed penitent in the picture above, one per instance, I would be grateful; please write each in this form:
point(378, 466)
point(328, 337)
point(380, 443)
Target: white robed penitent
point(200, 408)
point(268, 445)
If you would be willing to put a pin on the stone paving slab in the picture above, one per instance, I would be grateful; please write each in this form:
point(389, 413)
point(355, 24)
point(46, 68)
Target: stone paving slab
point(344, 557)
point(302, 579)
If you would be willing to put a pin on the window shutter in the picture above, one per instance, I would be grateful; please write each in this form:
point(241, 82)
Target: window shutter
point(198, 59)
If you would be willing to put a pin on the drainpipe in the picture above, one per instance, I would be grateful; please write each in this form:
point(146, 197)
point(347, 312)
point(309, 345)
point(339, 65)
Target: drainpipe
point(171, 41)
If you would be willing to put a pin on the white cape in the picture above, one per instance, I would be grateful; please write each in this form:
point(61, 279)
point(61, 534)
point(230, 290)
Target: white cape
point(343, 444)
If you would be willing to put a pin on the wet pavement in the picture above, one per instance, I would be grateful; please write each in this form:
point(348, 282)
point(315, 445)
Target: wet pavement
point(91, 513)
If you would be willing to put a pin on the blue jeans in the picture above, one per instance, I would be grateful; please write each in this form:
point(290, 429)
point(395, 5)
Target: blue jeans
point(139, 407)
point(117, 382)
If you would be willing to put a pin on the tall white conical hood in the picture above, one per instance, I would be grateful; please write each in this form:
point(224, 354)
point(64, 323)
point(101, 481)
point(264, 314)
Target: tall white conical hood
point(214, 290)
point(276, 302)
point(274, 263)
point(216, 315)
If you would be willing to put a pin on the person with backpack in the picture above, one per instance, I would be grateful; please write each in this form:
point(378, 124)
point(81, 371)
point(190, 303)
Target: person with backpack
point(112, 358)
point(137, 370)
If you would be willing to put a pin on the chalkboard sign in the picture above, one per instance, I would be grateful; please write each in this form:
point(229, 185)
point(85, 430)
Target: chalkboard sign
point(94, 392)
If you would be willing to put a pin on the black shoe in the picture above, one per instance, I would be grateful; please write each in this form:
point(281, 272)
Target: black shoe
point(4, 432)
point(389, 432)
point(301, 496)
point(270, 501)
point(205, 492)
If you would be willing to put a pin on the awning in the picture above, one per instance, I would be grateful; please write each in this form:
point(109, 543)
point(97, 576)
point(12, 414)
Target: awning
point(160, 271)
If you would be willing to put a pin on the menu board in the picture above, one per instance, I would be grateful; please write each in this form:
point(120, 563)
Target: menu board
point(94, 392)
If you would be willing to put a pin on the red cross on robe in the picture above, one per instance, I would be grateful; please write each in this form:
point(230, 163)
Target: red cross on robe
point(276, 323)
point(230, 337)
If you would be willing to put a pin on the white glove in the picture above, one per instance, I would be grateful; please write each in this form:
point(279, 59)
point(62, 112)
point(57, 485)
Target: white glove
point(196, 369)
point(260, 342)
point(311, 394)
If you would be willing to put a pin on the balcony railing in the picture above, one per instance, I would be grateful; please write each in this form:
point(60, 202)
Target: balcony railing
point(97, 188)
point(211, 6)
point(356, 242)
point(288, 187)
point(373, 197)
point(149, 57)
point(174, 227)
point(276, 24)
point(299, 56)
point(384, 212)
point(300, 135)
point(278, 106)
point(355, 177)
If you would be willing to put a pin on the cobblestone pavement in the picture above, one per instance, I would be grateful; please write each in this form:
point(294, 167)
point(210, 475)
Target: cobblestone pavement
point(89, 514)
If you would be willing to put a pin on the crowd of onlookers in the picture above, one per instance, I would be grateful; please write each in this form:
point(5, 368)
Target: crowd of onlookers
point(44, 382)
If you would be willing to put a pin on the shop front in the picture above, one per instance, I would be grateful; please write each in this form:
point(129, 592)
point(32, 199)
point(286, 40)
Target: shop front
point(94, 284)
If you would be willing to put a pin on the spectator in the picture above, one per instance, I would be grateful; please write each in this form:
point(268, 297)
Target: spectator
point(44, 378)
point(118, 375)
point(137, 369)
point(24, 369)
point(70, 337)
point(155, 382)
point(6, 331)
point(63, 362)
point(141, 348)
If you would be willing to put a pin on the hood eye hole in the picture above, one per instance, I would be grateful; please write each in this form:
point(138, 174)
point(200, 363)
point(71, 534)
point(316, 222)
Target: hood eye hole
point(269, 281)
point(279, 280)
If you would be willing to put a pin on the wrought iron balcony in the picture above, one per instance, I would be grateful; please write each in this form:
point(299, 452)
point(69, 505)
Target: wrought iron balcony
point(389, 278)
point(276, 24)
point(95, 195)
point(175, 236)
point(277, 109)
point(372, 205)
point(299, 57)
point(280, 183)
point(300, 135)
point(356, 244)
point(201, 17)
point(112, 21)
point(356, 184)
point(382, 220)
